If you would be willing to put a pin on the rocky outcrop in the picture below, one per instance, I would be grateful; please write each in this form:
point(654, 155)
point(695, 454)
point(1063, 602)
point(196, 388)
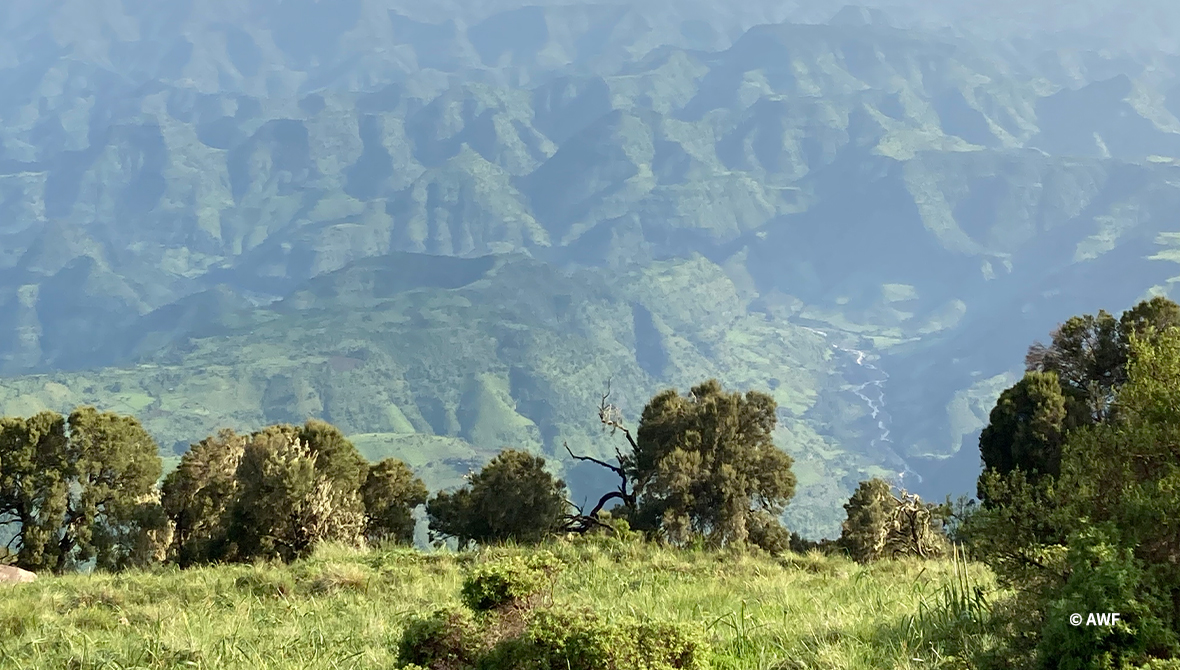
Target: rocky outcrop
point(10, 574)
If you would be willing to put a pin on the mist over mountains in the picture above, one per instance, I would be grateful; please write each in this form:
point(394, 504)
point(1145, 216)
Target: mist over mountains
point(445, 226)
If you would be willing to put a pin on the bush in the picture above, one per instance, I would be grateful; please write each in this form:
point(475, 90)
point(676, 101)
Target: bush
point(768, 533)
point(285, 506)
point(583, 641)
point(508, 583)
point(882, 525)
point(1104, 576)
point(390, 494)
point(448, 639)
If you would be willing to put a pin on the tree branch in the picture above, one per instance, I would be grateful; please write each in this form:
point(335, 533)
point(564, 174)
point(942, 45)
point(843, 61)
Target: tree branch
point(613, 468)
point(612, 417)
point(613, 495)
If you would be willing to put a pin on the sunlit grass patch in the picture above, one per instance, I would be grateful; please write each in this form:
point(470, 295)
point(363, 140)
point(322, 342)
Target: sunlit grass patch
point(344, 608)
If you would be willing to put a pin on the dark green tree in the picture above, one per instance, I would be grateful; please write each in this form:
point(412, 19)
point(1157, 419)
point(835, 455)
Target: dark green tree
point(513, 498)
point(865, 531)
point(34, 486)
point(198, 494)
point(390, 494)
point(80, 489)
point(1117, 505)
point(705, 464)
point(1087, 355)
point(1026, 429)
point(1090, 353)
point(336, 457)
point(1147, 320)
point(1098, 531)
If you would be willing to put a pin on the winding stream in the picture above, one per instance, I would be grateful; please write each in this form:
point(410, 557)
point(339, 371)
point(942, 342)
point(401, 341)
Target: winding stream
point(872, 393)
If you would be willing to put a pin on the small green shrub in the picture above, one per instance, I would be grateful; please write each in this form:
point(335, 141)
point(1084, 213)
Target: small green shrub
point(661, 645)
point(448, 639)
point(509, 582)
point(1171, 664)
point(767, 533)
point(583, 641)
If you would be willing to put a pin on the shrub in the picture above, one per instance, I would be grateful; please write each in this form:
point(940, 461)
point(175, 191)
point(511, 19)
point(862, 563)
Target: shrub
point(882, 525)
point(197, 497)
point(390, 494)
point(583, 641)
point(864, 532)
point(768, 533)
point(285, 505)
point(1104, 576)
point(446, 640)
point(507, 583)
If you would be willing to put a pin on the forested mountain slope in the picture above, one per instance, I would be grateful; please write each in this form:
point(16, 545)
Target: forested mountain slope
point(445, 228)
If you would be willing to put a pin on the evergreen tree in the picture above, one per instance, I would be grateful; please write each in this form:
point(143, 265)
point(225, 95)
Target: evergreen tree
point(197, 496)
point(390, 494)
point(285, 503)
point(706, 464)
point(512, 498)
point(80, 489)
point(1026, 428)
point(883, 525)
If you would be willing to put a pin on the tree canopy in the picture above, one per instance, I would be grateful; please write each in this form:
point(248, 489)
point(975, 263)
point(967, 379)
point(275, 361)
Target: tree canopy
point(1081, 507)
point(197, 496)
point(390, 494)
point(279, 491)
point(80, 488)
point(512, 498)
point(702, 465)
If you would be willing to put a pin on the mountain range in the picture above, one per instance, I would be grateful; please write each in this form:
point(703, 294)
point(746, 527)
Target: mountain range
point(447, 227)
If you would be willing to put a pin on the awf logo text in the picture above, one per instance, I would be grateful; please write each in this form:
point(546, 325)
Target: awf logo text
point(1094, 619)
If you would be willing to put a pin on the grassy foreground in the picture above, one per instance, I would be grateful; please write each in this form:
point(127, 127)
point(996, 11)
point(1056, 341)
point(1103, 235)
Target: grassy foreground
point(346, 608)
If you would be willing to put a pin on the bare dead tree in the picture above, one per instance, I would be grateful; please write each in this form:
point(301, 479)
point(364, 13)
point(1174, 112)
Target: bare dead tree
point(611, 417)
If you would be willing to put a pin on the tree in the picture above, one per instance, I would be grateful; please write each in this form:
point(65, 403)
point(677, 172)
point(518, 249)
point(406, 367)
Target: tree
point(34, 485)
point(1070, 383)
point(706, 463)
point(390, 494)
point(336, 457)
point(1098, 532)
point(1117, 505)
point(286, 502)
point(80, 489)
point(1088, 359)
point(1090, 354)
point(286, 505)
point(883, 525)
point(864, 532)
point(197, 496)
point(513, 498)
point(1026, 429)
point(1147, 320)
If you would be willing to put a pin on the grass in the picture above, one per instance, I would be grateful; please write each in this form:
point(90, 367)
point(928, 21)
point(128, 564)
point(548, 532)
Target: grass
point(345, 608)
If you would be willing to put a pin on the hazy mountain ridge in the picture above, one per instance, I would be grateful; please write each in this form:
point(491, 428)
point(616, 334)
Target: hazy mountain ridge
point(450, 244)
